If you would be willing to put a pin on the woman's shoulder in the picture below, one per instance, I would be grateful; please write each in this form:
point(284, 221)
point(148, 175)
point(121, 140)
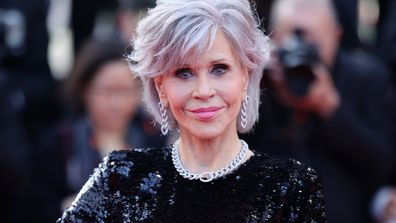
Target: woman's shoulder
point(139, 153)
point(121, 173)
point(294, 187)
point(285, 170)
point(123, 161)
point(136, 154)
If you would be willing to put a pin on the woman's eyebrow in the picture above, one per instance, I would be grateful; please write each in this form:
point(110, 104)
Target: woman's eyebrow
point(220, 60)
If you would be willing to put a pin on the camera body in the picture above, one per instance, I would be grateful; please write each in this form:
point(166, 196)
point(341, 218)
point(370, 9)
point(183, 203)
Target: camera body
point(297, 57)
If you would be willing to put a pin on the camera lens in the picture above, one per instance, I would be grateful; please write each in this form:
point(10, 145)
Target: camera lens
point(297, 57)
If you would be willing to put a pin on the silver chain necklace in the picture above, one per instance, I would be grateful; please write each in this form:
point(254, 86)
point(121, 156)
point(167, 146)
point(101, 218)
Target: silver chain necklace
point(208, 176)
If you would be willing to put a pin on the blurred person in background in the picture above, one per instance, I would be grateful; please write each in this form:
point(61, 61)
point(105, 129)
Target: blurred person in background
point(384, 201)
point(106, 19)
point(128, 14)
point(386, 34)
point(27, 101)
point(84, 19)
point(23, 24)
point(326, 107)
point(14, 162)
point(107, 116)
point(384, 205)
point(347, 17)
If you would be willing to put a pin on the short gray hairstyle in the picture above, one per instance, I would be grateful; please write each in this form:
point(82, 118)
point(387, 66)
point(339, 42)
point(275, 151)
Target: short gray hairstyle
point(176, 29)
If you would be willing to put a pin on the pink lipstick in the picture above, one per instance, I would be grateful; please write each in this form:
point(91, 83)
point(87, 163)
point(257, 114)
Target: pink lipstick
point(206, 113)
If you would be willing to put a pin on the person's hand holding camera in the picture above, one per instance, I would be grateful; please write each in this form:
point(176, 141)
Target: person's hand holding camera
point(322, 97)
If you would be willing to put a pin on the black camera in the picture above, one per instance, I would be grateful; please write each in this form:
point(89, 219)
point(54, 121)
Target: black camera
point(297, 56)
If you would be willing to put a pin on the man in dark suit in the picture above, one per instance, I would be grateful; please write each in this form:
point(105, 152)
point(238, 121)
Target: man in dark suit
point(338, 126)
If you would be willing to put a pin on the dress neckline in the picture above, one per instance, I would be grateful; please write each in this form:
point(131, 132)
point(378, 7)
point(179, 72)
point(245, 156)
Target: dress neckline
point(242, 170)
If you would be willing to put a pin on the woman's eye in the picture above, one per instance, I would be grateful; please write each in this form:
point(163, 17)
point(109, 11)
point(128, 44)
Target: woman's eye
point(219, 69)
point(183, 73)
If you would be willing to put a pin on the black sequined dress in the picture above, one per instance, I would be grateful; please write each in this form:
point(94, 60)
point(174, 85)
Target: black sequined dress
point(142, 185)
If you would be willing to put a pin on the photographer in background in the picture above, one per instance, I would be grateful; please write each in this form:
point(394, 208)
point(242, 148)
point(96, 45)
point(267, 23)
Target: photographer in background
point(325, 107)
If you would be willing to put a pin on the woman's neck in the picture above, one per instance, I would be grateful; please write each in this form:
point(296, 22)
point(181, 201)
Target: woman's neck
point(198, 156)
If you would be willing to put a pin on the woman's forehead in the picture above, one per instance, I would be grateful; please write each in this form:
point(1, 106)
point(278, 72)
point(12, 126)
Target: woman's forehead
point(219, 49)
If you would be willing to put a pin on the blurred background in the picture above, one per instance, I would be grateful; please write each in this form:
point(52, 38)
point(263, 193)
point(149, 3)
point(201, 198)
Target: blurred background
point(67, 99)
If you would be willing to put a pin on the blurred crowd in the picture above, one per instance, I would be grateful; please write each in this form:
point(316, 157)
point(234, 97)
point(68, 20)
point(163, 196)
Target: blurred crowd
point(328, 100)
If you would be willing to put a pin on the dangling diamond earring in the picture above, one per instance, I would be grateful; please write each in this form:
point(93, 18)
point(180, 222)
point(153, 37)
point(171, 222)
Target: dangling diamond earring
point(244, 111)
point(164, 120)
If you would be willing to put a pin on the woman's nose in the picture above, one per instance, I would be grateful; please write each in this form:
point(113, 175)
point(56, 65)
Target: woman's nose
point(204, 88)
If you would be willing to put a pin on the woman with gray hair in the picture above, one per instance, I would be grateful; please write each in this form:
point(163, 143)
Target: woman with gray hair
point(200, 62)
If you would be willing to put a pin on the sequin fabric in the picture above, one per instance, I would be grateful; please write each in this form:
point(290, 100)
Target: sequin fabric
point(142, 185)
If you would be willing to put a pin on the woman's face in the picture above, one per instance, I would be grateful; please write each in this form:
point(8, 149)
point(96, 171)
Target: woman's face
point(112, 96)
point(205, 94)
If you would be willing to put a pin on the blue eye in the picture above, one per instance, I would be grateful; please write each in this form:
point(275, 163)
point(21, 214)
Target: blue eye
point(219, 69)
point(183, 73)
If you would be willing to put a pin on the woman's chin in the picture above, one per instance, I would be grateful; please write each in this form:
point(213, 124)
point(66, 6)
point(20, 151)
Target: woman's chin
point(206, 132)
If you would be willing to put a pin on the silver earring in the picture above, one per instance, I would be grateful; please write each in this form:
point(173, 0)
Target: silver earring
point(164, 120)
point(244, 111)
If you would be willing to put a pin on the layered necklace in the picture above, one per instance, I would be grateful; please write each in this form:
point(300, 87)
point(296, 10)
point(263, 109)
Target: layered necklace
point(208, 176)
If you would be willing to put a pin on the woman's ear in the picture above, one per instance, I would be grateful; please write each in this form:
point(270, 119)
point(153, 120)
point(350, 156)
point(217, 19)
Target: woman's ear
point(159, 86)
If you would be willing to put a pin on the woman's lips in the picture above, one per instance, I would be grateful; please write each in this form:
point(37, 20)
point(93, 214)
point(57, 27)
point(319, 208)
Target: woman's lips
point(206, 113)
